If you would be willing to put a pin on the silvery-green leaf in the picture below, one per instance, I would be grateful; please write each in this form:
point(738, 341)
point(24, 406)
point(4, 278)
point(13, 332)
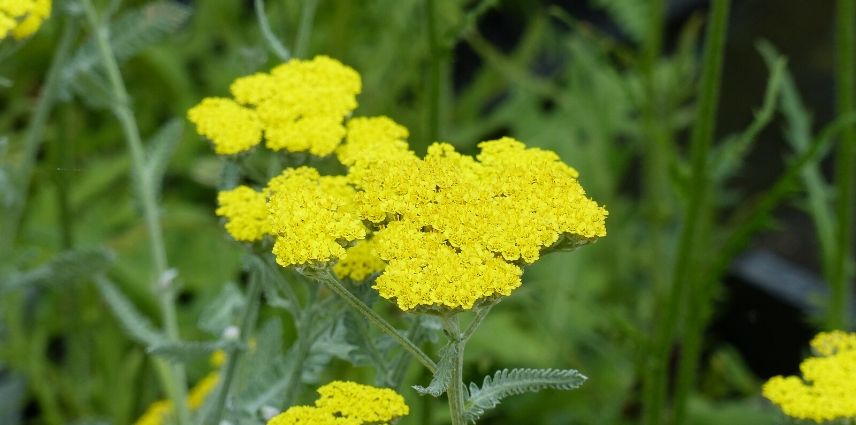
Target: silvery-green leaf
point(443, 376)
point(221, 311)
point(135, 323)
point(508, 382)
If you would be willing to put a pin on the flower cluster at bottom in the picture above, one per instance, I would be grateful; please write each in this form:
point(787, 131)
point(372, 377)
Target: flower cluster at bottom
point(827, 390)
point(347, 403)
point(159, 411)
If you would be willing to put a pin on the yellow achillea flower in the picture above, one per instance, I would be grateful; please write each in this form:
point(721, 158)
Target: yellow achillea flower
point(347, 403)
point(231, 127)
point(464, 220)
point(159, 411)
point(22, 18)
point(246, 213)
point(425, 272)
point(311, 216)
point(827, 390)
point(371, 139)
point(359, 262)
point(302, 103)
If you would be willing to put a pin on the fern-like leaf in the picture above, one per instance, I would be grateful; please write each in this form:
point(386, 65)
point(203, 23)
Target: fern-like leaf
point(138, 326)
point(443, 375)
point(508, 382)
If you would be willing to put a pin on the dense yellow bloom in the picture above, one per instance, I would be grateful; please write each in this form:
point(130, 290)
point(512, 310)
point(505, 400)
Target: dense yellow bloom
point(311, 216)
point(302, 103)
point(371, 139)
point(231, 127)
point(246, 213)
point(827, 389)
point(22, 18)
point(156, 414)
point(464, 220)
point(347, 403)
point(359, 262)
point(366, 403)
point(425, 272)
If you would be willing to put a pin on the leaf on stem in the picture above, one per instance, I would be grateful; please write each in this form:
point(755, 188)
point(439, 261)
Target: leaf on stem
point(65, 268)
point(222, 311)
point(508, 382)
point(443, 377)
point(135, 324)
point(161, 147)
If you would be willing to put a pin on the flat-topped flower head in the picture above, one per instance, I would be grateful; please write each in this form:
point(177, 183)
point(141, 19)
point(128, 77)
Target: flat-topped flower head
point(827, 389)
point(22, 18)
point(347, 403)
point(360, 262)
point(246, 213)
point(230, 127)
point(312, 217)
point(456, 229)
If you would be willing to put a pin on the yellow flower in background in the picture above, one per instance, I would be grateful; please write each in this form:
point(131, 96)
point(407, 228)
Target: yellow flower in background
point(159, 411)
point(347, 403)
point(827, 389)
point(22, 18)
point(246, 213)
point(231, 127)
point(360, 261)
point(312, 217)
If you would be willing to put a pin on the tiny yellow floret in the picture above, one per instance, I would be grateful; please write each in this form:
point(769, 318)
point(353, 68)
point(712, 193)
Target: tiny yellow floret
point(827, 389)
point(360, 261)
point(246, 213)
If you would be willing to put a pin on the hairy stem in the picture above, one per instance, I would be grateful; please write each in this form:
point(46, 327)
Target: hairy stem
point(272, 41)
point(838, 316)
point(702, 137)
point(177, 387)
point(304, 29)
point(455, 391)
point(233, 354)
point(336, 287)
point(35, 134)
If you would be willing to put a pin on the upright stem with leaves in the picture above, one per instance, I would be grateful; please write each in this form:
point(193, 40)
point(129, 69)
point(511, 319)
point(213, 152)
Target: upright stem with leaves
point(701, 140)
point(146, 195)
point(456, 392)
point(838, 315)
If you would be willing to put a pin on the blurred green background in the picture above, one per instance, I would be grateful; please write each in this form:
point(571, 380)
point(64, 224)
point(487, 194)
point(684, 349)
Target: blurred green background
point(571, 76)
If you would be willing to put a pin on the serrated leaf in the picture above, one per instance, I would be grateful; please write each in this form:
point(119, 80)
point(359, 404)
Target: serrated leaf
point(161, 147)
point(440, 382)
point(135, 324)
point(221, 311)
point(273, 283)
point(130, 33)
point(508, 382)
point(260, 379)
point(331, 343)
point(65, 268)
point(185, 351)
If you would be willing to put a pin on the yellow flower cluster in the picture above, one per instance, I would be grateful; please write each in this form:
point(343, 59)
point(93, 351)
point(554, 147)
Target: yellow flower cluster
point(827, 390)
point(22, 18)
point(347, 403)
point(159, 411)
point(246, 213)
point(360, 261)
point(298, 106)
point(455, 229)
point(448, 230)
point(311, 216)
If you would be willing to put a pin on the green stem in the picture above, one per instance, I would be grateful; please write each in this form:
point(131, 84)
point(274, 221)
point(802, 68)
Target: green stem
point(702, 137)
point(304, 29)
point(433, 73)
point(305, 337)
point(841, 291)
point(455, 391)
point(177, 386)
point(334, 285)
point(35, 133)
point(272, 41)
point(233, 354)
point(400, 368)
point(481, 314)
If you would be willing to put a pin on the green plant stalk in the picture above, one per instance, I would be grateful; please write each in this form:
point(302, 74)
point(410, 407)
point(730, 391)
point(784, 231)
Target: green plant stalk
point(177, 385)
point(233, 354)
point(702, 137)
point(377, 359)
point(304, 29)
point(842, 289)
point(337, 288)
point(434, 72)
point(304, 345)
point(399, 369)
point(35, 133)
point(455, 391)
point(272, 41)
